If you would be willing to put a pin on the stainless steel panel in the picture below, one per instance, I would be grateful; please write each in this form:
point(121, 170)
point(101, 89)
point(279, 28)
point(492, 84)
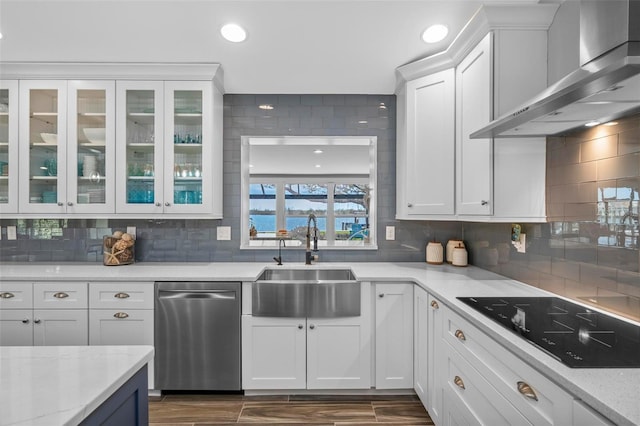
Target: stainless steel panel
point(306, 275)
point(197, 336)
point(318, 300)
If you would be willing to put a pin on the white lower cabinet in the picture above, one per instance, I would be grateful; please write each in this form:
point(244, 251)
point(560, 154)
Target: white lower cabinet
point(585, 415)
point(121, 313)
point(494, 385)
point(394, 336)
point(421, 344)
point(308, 353)
point(43, 314)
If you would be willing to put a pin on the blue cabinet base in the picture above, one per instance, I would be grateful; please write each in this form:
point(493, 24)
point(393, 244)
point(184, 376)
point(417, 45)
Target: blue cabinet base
point(128, 406)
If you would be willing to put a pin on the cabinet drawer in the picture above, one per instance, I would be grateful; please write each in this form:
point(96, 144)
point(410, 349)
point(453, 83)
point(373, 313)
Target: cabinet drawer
point(60, 295)
point(121, 327)
point(488, 406)
point(115, 295)
point(16, 295)
point(512, 377)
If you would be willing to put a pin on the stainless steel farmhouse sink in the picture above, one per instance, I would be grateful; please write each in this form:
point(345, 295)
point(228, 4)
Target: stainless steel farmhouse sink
point(314, 293)
point(306, 275)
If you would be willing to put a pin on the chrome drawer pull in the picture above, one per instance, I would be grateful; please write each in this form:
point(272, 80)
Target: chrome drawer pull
point(121, 295)
point(300, 326)
point(458, 381)
point(435, 305)
point(37, 321)
point(381, 295)
point(61, 295)
point(7, 295)
point(25, 321)
point(312, 326)
point(527, 391)
point(121, 315)
point(460, 335)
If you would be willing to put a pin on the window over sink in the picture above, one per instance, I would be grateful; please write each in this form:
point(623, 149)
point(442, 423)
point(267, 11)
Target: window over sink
point(285, 179)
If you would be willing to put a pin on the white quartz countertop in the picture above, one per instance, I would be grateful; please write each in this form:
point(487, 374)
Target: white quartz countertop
point(62, 385)
point(611, 391)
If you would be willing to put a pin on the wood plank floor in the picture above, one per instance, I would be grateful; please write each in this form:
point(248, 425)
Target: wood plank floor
point(290, 410)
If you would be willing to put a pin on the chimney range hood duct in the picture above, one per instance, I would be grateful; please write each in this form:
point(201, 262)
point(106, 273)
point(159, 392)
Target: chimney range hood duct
point(604, 88)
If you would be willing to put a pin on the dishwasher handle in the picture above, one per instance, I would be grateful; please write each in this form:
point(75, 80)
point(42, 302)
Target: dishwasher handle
point(197, 294)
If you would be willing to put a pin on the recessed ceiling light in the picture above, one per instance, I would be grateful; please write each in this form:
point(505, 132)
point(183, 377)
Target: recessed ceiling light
point(611, 123)
point(382, 105)
point(318, 165)
point(267, 107)
point(0, 35)
point(592, 123)
point(317, 151)
point(233, 32)
point(362, 122)
point(435, 33)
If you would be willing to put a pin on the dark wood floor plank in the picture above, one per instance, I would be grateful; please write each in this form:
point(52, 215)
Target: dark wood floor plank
point(306, 413)
point(354, 398)
point(194, 412)
point(387, 412)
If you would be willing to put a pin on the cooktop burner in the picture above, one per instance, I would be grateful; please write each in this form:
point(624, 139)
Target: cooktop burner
point(575, 335)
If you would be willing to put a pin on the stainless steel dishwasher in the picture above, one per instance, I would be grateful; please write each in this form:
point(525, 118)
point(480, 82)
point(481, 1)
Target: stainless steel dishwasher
point(197, 335)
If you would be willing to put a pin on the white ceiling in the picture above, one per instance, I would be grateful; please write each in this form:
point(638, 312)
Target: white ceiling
point(293, 46)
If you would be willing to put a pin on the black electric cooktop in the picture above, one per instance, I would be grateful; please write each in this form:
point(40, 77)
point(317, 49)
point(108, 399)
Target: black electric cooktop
point(575, 335)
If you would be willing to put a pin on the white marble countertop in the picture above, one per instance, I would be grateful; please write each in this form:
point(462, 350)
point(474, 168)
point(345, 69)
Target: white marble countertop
point(62, 385)
point(611, 391)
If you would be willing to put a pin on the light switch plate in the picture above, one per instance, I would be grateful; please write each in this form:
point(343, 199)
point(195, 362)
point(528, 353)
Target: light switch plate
point(224, 233)
point(131, 230)
point(390, 233)
point(11, 233)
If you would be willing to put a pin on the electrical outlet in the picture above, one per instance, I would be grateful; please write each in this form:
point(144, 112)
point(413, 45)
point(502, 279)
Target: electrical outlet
point(12, 233)
point(390, 233)
point(131, 230)
point(224, 233)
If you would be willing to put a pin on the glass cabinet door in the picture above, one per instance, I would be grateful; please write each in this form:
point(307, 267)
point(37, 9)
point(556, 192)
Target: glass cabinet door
point(188, 145)
point(140, 147)
point(8, 146)
point(91, 150)
point(43, 140)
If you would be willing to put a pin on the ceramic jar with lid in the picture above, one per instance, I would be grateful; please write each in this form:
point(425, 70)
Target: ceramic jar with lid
point(451, 244)
point(435, 253)
point(459, 256)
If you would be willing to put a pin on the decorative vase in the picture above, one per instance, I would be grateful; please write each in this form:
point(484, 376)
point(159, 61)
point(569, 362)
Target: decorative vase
point(451, 244)
point(434, 253)
point(459, 256)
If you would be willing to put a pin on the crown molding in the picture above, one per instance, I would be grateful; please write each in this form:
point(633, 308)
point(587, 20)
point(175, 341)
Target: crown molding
point(535, 17)
point(113, 71)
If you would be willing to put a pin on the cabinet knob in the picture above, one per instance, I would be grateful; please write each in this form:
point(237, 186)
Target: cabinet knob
point(460, 335)
point(167, 203)
point(158, 204)
point(25, 321)
point(484, 202)
point(381, 295)
point(69, 203)
point(37, 321)
point(61, 295)
point(7, 295)
point(121, 295)
point(312, 326)
point(409, 205)
point(121, 315)
point(527, 391)
point(459, 382)
point(300, 326)
point(435, 305)
point(60, 203)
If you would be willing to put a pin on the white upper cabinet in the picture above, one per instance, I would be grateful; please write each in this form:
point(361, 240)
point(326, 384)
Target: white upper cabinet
point(43, 146)
point(426, 156)
point(8, 146)
point(123, 147)
point(499, 61)
point(474, 157)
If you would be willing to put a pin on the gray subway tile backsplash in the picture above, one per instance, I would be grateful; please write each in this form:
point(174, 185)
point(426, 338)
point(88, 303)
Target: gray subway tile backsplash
point(588, 248)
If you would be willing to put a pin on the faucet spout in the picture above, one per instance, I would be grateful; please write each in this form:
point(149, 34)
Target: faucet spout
point(308, 255)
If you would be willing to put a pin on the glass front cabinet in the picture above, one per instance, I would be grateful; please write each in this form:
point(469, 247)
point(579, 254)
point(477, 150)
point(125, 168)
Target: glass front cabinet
point(125, 147)
point(67, 147)
point(165, 152)
point(8, 146)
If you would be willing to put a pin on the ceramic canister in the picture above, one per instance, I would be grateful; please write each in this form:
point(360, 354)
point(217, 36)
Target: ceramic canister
point(435, 253)
point(459, 256)
point(451, 244)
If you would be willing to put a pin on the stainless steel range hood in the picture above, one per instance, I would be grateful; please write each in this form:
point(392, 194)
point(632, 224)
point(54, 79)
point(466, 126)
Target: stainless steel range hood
point(604, 88)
